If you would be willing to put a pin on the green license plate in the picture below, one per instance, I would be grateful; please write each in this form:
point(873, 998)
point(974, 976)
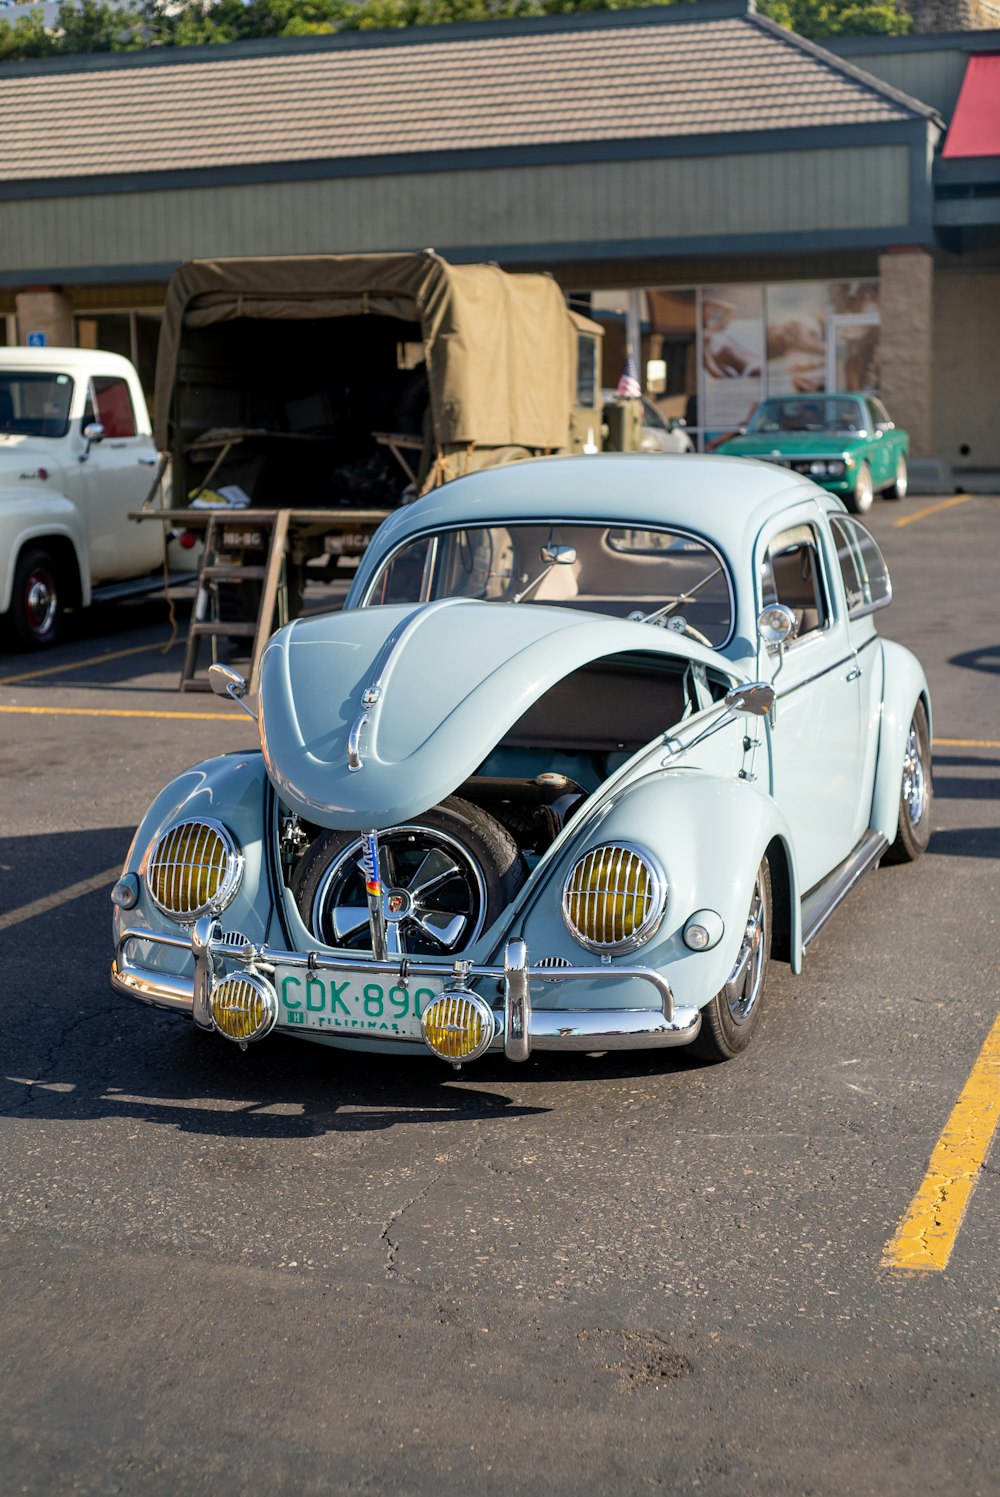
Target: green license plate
point(352, 1002)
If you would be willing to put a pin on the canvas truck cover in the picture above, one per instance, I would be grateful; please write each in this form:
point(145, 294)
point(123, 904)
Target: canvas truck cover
point(499, 348)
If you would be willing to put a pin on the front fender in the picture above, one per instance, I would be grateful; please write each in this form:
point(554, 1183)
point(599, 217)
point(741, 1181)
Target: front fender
point(904, 685)
point(232, 789)
point(709, 834)
point(31, 512)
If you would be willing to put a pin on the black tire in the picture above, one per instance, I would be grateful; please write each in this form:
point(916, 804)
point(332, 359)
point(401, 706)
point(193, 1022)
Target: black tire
point(729, 1021)
point(863, 497)
point(454, 870)
point(898, 488)
point(37, 600)
point(916, 794)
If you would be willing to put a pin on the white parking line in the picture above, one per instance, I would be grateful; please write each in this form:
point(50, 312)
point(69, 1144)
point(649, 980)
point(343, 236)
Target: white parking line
point(62, 896)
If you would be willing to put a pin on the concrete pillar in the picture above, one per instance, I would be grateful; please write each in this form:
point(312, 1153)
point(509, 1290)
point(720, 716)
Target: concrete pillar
point(907, 298)
point(48, 310)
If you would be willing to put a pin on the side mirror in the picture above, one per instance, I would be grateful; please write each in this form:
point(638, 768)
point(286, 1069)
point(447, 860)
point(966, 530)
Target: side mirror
point(92, 432)
point(755, 699)
point(776, 625)
point(226, 682)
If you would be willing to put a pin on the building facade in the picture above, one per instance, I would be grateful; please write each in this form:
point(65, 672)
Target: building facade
point(745, 211)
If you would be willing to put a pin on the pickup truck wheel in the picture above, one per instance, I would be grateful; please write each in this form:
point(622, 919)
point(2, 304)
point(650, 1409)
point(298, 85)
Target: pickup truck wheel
point(36, 607)
point(916, 794)
point(446, 876)
point(729, 1021)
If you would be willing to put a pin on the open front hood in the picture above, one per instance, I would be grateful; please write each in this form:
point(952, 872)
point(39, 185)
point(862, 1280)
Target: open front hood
point(415, 698)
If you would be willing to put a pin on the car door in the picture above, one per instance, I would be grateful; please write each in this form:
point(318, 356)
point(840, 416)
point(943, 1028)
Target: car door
point(816, 739)
point(867, 589)
point(116, 473)
point(882, 447)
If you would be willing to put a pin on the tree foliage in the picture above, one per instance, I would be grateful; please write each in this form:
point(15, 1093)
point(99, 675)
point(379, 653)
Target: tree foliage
point(93, 26)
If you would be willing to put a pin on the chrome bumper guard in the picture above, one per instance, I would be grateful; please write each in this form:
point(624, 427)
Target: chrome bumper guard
point(520, 1028)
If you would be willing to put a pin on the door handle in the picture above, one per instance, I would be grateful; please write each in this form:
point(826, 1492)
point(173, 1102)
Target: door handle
point(854, 674)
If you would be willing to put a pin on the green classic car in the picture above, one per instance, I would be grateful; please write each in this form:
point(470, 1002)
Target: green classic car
point(845, 443)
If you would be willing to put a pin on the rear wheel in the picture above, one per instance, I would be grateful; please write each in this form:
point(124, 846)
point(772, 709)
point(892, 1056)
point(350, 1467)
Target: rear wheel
point(446, 876)
point(36, 607)
point(860, 502)
point(897, 490)
point(916, 793)
point(729, 1021)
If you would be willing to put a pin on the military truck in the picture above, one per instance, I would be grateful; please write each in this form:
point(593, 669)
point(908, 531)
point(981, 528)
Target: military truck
point(349, 383)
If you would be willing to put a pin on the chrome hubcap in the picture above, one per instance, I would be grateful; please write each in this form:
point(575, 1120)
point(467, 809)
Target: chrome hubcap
point(433, 895)
point(747, 977)
point(914, 779)
point(40, 602)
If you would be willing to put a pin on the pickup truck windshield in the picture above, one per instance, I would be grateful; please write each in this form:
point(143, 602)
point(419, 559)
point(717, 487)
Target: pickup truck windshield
point(620, 571)
point(34, 405)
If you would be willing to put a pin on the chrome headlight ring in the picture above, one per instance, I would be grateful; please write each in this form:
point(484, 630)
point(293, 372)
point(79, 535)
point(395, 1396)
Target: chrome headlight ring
point(614, 898)
point(193, 868)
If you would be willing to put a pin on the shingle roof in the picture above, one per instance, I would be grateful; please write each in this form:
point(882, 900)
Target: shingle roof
point(641, 78)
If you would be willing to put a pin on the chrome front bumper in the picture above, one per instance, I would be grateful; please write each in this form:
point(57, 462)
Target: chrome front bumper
point(520, 1027)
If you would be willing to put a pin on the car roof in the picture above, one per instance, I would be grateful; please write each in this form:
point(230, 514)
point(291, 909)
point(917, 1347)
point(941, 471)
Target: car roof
point(726, 499)
point(83, 360)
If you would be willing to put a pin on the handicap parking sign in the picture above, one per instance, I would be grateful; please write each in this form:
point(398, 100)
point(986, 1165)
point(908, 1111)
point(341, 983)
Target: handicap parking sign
point(36, 340)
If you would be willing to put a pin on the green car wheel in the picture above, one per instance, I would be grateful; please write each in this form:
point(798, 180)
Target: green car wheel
point(861, 501)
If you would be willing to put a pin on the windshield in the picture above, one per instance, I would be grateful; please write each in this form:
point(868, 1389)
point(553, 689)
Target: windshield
point(623, 572)
point(819, 413)
point(34, 405)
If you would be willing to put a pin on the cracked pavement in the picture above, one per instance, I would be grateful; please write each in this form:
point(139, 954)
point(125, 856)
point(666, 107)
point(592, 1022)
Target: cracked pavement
point(306, 1271)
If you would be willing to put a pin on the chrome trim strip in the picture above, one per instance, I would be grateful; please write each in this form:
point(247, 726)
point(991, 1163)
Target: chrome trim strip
point(817, 676)
point(820, 903)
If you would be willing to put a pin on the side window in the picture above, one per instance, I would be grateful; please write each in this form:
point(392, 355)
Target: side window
point(586, 371)
point(792, 574)
point(862, 566)
point(880, 415)
point(110, 395)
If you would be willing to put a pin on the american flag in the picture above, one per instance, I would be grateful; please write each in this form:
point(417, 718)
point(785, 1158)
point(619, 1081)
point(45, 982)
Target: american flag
point(628, 386)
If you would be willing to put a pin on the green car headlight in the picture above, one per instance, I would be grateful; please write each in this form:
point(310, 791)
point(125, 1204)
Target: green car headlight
point(835, 469)
point(818, 470)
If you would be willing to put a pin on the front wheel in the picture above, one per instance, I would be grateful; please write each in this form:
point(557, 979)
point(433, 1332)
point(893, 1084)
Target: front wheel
point(916, 793)
point(897, 490)
point(860, 502)
point(36, 605)
point(729, 1021)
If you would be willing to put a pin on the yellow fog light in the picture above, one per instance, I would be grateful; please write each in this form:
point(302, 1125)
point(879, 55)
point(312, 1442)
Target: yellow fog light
point(243, 1007)
point(614, 897)
point(192, 869)
point(458, 1025)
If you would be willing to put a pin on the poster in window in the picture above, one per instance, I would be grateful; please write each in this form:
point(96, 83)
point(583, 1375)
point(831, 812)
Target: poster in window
point(796, 337)
point(732, 355)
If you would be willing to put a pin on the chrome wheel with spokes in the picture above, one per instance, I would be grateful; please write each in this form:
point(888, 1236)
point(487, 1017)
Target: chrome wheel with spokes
point(444, 877)
point(729, 1021)
point(36, 601)
point(916, 793)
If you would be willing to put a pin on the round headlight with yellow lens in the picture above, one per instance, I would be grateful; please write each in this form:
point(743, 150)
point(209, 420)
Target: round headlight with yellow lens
point(458, 1025)
point(614, 897)
point(243, 1007)
point(193, 869)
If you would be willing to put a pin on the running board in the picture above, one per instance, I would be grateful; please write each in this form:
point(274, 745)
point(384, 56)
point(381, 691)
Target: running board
point(820, 903)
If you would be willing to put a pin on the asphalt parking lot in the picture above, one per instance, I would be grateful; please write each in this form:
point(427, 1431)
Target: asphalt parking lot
point(303, 1271)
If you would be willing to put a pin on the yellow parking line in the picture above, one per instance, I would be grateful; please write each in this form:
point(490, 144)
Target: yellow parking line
point(967, 742)
point(926, 1235)
point(932, 509)
point(53, 901)
point(79, 665)
point(227, 717)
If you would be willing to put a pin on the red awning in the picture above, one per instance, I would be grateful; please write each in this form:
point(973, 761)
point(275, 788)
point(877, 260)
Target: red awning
point(975, 128)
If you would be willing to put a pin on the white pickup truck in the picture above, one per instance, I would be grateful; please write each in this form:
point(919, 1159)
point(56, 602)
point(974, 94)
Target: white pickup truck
point(76, 458)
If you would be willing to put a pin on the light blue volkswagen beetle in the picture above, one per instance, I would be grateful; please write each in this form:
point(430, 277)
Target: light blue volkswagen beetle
point(592, 741)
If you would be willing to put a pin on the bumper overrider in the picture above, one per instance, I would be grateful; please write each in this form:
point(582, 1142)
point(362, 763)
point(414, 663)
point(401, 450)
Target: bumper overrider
point(232, 992)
